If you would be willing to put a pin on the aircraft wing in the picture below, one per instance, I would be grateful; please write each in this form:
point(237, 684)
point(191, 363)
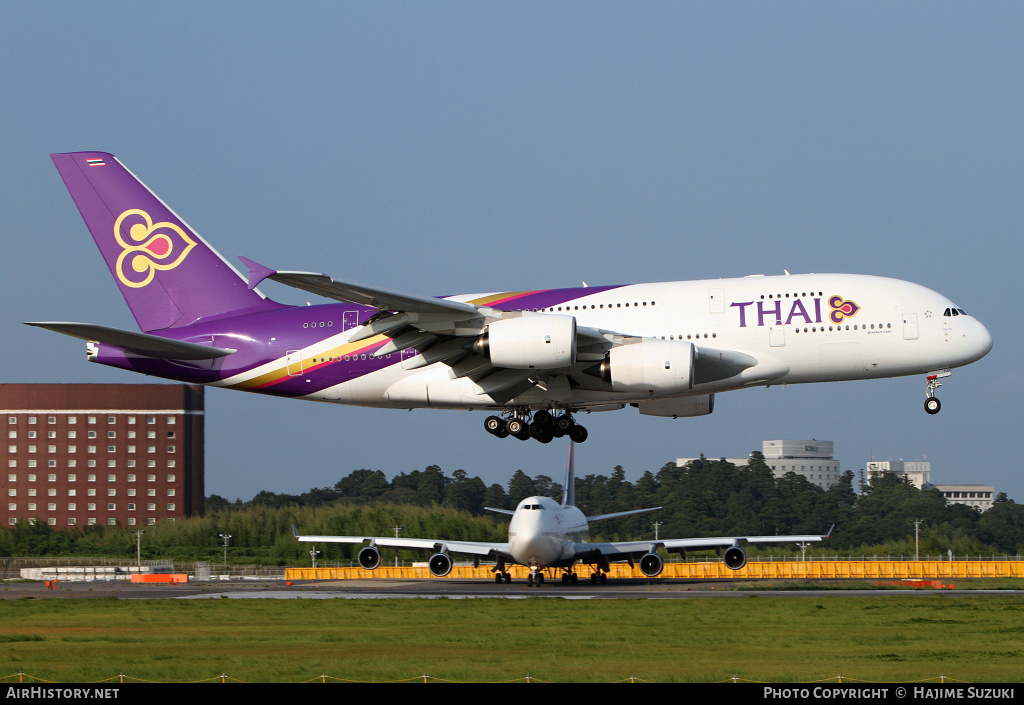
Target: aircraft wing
point(470, 548)
point(618, 551)
point(449, 332)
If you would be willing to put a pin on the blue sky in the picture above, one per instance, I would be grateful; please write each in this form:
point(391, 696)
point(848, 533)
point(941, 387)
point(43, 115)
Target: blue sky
point(469, 147)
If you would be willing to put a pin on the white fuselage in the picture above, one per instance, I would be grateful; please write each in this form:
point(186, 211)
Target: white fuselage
point(800, 328)
point(543, 533)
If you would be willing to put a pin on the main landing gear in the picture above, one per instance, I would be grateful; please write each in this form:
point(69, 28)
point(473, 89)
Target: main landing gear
point(544, 426)
point(932, 404)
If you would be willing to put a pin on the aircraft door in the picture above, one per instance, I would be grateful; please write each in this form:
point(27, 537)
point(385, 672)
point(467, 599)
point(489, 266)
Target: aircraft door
point(716, 301)
point(294, 362)
point(776, 336)
point(910, 326)
point(349, 319)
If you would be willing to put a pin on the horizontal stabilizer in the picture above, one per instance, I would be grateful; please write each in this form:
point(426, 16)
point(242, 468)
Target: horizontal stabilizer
point(138, 343)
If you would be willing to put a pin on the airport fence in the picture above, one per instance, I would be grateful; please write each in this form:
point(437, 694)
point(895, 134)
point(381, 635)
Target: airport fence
point(27, 679)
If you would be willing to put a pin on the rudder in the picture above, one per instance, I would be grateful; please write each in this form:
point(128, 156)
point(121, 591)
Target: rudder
point(168, 275)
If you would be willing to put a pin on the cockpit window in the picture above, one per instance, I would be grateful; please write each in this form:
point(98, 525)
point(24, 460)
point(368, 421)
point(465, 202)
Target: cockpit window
point(533, 506)
point(954, 312)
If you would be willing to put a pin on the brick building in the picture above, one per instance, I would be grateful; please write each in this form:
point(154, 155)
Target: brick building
point(82, 454)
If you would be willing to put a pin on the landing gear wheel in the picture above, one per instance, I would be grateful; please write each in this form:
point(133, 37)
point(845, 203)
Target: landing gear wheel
point(932, 405)
point(519, 429)
point(496, 426)
point(578, 434)
point(563, 424)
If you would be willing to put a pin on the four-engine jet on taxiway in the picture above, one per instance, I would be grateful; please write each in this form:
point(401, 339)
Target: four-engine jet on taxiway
point(544, 533)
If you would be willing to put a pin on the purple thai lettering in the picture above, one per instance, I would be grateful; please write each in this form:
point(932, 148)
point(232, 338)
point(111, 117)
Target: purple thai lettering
point(817, 310)
point(743, 313)
point(761, 312)
point(798, 310)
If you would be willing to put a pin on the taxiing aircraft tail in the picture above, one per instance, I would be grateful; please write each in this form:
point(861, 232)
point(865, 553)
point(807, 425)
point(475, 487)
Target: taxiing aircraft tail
point(569, 487)
point(168, 275)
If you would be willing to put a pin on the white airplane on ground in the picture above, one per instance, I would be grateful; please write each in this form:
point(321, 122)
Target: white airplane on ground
point(543, 533)
point(531, 358)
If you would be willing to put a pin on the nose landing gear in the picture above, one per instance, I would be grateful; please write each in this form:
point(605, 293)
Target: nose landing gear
point(932, 404)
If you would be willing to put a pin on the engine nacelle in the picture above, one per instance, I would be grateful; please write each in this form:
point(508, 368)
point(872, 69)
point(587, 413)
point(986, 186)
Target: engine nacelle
point(528, 342)
point(652, 368)
point(369, 557)
point(735, 558)
point(440, 564)
point(651, 565)
point(699, 405)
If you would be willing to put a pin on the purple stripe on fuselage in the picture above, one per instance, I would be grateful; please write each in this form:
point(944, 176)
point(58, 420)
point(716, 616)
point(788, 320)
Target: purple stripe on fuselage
point(268, 336)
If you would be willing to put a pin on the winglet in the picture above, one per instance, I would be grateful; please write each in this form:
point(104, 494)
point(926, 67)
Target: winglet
point(257, 272)
point(830, 530)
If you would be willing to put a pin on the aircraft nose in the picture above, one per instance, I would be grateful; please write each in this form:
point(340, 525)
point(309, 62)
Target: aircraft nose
point(977, 341)
point(983, 341)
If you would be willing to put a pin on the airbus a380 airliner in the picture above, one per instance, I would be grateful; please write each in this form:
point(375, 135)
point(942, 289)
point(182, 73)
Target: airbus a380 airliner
point(532, 358)
point(543, 533)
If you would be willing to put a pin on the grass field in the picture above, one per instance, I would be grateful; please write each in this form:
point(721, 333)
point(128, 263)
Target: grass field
point(890, 638)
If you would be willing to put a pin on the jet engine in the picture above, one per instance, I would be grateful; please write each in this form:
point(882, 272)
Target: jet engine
point(440, 564)
point(369, 557)
point(651, 565)
point(529, 342)
point(735, 558)
point(651, 368)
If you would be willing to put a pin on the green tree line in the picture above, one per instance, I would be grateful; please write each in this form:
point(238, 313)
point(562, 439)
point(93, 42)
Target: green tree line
point(702, 498)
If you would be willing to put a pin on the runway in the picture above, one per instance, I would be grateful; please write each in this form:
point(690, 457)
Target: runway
point(440, 589)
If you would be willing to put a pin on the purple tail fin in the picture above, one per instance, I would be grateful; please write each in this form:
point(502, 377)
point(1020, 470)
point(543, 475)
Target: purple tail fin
point(169, 276)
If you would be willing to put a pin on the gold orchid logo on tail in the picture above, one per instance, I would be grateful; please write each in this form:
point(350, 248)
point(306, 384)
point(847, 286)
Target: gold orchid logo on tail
point(152, 247)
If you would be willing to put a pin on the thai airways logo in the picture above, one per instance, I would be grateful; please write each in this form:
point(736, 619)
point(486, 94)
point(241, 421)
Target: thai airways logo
point(150, 247)
point(798, 310)
point(842, 309)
